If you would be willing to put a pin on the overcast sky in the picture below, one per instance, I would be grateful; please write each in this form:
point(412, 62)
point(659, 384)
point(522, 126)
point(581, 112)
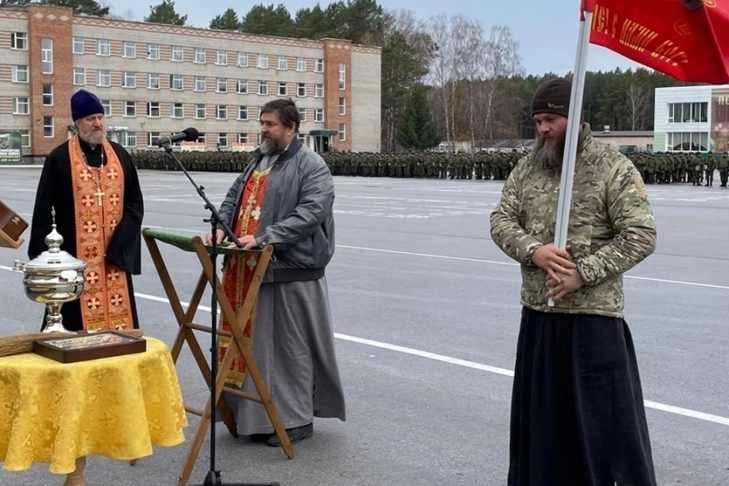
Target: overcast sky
point(546, 31)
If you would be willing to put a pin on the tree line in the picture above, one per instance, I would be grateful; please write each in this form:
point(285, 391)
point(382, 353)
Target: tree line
point(443, 79)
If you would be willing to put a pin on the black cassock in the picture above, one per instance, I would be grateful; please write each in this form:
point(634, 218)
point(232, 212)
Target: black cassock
point(55, 188)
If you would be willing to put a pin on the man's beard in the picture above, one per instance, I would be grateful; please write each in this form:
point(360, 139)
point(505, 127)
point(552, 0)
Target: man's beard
point(549, 152)
point(93, 137)
point(270, 146)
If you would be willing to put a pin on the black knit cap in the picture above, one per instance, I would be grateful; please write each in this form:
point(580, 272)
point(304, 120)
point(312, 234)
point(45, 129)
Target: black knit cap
point(552, 96)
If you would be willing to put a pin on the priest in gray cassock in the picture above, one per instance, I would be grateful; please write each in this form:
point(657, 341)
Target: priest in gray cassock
point(284, 198)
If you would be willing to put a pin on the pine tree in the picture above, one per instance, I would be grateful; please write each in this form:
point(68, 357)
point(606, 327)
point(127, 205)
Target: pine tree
point(164, 13)
point(227, 21)
point(417, 128)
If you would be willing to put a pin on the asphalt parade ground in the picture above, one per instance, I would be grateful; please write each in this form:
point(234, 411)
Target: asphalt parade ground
point(426, 316)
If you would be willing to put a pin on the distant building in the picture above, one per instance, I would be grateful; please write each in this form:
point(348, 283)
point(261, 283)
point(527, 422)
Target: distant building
point(625, 140)
point(154, 79)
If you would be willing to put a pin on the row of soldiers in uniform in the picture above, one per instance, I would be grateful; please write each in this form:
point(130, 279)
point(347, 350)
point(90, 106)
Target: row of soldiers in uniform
point(671, 167)
point(656, 168)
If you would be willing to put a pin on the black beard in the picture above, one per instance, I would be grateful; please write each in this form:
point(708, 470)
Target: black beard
point(549, 152)
point(270, 146)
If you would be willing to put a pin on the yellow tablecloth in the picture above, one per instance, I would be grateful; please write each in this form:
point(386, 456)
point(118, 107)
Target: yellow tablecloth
point(117, 407)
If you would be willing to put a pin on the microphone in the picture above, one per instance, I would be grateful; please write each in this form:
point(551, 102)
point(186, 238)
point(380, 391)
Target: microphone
point(187, 135)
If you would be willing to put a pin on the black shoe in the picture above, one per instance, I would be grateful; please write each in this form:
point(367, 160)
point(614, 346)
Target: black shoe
point(260, 438)
point(296, 434)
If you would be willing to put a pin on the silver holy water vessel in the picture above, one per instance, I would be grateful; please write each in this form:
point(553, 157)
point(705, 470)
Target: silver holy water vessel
point(53, 278)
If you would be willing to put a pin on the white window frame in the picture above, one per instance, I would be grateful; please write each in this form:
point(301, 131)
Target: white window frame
point(46, 125)
point(342, 77)
point(221, 87)
point(242, 109)
point(130, 104)
point(221, 57)
point(15, 73)
point(78, 45)
point(173, 81)
point(241, 83)
point(282, 88)
point(20, 103)
point(19, 38)
point(153, 52)
point(103, 47)
point(263, 88)
point(242, 59)
point(198, 106)
point(221, 109)
point(342, 105)
point(302, 114)
point(319, 115)
point(201, 84)
point(103, 78)
point(150, 81)
point(301, 90)
point(283, 63)
point(174, 114)
point(49, 94)
point(24, 138)
point(126, 137)
point(319, 66)
point(319, 90)
point(300, 64)
point(79, 71)
point(150, 105)
point(106, 104)
point(129, 76)
point(129, 50)
point(200, 56)
point(223, 137)
point(177, 49)
point(152, 138)
point(262, 61)
point(46, 55)
point(342, 132)
point(242, 138)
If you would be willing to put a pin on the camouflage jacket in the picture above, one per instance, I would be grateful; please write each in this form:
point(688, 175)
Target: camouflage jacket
point(611, 228)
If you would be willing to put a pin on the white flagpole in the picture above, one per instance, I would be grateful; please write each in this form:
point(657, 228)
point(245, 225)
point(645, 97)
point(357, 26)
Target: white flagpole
point(572, 136)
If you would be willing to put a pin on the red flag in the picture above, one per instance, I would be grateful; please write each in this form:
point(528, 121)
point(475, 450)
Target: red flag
point(686, 39)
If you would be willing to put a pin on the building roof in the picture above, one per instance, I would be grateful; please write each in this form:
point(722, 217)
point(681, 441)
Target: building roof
point(623, 133)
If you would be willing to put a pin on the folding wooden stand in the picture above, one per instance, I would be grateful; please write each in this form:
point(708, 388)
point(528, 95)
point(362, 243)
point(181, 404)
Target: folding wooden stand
point(240, 345)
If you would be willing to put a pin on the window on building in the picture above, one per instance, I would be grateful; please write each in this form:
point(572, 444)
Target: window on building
point(152, 138)
point(103, 78)
point(222, 139)
point(688, 141)
point(242, 138)
point(128, 139)
point(48, 126)
point(319, 115)
point(201, 138)
point(282, 88)
point(222, 85)
point(283, 63)
point(221, 57)
point(19, 40)
point(342, 105)
point(176, 82)
point(22, 105)
point(301, 64)
point(177, 110)
point(201, 83)
point(153, 109)
point(129, 80)
point(319, 90)
point(79, 76)
point(221, 112)
point(78, 45)
point(24, 138)
point(301, 89)
point(262, 61)
point(263, 88)
point(242, 59)
point(47, 56)
point(200, 111)
point(103, 47)
point(696, 112)
point(319, 67)
point(47, 94)
point(199, 56)
point(242, 112)
point(153, 80)
point(106, 104)
point(130, 108)
point(19, 73)
point(302, 114)
point(342, 132)
point(153, 52)
point(177, 54)
point(342, 76)
point(241, 86)
point(130, 50)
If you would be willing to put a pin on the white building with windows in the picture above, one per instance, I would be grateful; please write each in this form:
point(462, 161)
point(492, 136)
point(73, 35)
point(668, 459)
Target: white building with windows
point(692, 119)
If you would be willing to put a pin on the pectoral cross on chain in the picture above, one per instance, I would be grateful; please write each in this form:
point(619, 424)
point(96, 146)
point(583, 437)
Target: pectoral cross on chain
point(99, 195)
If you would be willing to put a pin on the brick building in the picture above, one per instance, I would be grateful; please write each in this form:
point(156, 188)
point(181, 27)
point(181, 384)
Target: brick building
point(156, 79)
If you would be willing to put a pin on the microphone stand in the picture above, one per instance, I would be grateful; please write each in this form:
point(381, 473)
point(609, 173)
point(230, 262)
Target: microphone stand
point(213, 476)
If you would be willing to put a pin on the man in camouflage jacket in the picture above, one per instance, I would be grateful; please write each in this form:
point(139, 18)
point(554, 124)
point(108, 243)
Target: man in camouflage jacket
point(577, 413)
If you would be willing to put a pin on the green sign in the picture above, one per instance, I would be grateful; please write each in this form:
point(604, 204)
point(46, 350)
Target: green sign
point(10, 148)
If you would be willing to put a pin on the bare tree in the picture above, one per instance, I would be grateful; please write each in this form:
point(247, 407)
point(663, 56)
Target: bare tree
point(637, 103)
point(501, 61)
point(441, 71)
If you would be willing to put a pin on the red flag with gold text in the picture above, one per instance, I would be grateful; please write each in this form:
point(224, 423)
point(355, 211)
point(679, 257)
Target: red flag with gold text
point(686, 39)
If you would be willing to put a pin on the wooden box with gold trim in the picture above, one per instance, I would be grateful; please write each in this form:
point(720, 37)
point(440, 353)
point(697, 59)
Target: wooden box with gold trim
point(84, 347)
point(12, 227)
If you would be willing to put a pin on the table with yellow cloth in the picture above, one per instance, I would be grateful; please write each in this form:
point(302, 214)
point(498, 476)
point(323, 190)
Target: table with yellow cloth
point(118, 407)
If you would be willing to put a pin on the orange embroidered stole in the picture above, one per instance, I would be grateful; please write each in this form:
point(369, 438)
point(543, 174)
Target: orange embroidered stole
point(99, 204)
point(239, 270)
